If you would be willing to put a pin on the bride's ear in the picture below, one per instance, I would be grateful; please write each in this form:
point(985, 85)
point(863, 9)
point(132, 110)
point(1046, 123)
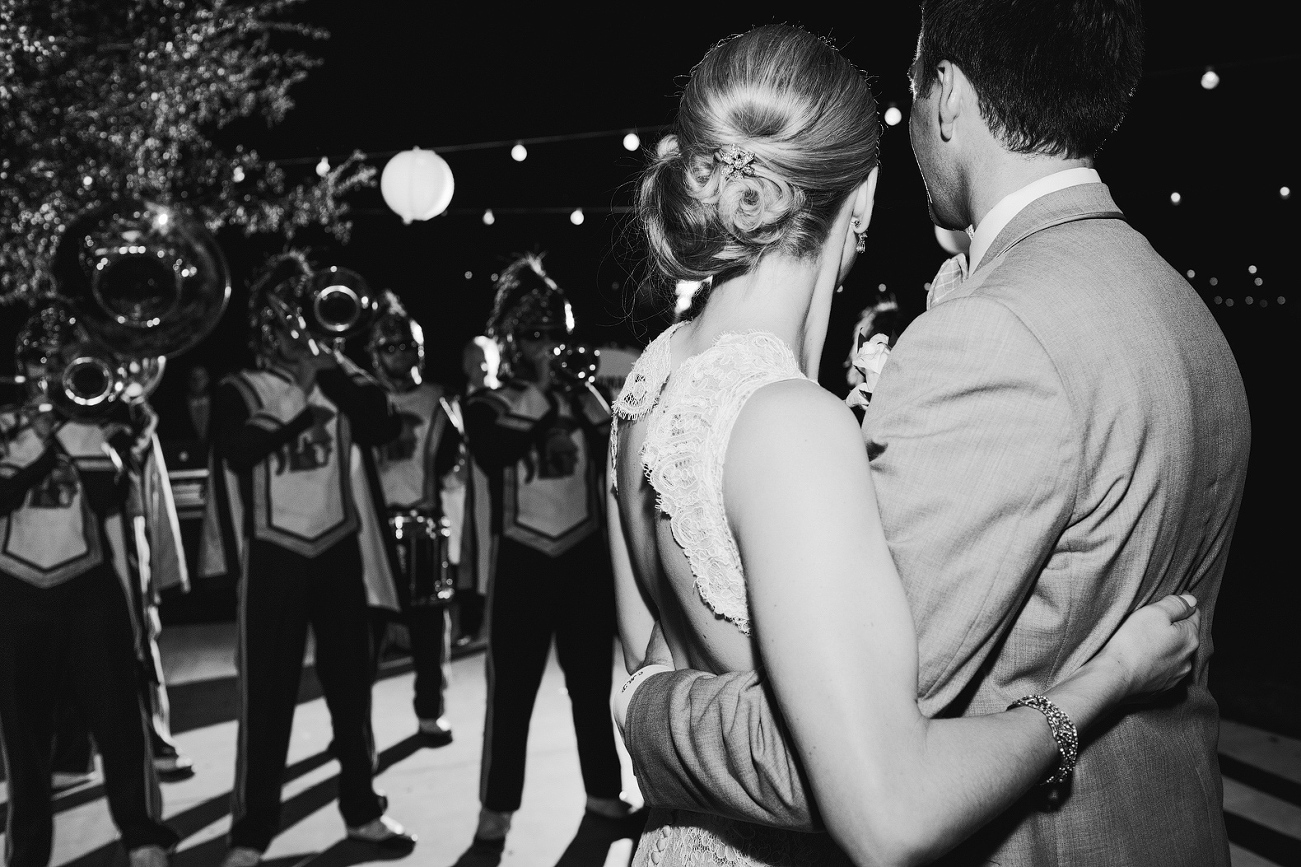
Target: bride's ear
point(864, 198)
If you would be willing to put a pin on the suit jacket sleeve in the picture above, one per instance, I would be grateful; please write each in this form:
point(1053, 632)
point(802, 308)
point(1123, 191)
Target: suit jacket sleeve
point(715, 744)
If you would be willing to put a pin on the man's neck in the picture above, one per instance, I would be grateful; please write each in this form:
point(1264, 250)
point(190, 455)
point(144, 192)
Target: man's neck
point(1005, 173)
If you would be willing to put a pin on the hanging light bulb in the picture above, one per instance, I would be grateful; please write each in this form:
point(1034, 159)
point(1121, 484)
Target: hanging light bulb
point(519, 153)
point(1210, 78)
point(1175, 198)
point(488, 218)
point(1285, 192)
point(576, 217)
point(893, 115)
point(631, 141)
point(323, 167)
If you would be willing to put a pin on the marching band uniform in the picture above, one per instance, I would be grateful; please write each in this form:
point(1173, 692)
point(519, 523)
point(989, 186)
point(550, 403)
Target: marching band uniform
point(164, 568)
point(480, 358)
point(69, 625)
point(552, 575)
point(420, 473)
point(167, 571)
point(414, 471)
point(295, 507)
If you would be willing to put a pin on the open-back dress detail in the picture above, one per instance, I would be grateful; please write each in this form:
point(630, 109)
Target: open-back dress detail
point(689, 414)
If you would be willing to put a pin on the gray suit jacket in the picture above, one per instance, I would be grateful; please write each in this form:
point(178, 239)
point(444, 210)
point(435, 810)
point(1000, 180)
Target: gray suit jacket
point(1060, 441)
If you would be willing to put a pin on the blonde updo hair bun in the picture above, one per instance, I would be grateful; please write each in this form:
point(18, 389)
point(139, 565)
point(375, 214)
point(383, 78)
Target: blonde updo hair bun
point(775, 128)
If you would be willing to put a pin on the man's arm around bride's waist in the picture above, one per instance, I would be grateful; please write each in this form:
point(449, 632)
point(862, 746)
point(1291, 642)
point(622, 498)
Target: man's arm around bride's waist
point(713, 744)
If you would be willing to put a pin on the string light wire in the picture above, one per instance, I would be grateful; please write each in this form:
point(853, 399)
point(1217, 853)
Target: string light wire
point(505, 143)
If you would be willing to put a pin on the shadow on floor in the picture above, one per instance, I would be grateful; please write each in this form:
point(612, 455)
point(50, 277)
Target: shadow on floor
point(296, 809)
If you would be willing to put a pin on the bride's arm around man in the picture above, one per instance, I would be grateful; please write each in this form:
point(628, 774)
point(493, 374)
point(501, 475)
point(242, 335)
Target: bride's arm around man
point(1060, 439)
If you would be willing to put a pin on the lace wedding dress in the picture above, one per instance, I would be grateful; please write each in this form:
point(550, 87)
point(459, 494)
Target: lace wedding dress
point(689, 423)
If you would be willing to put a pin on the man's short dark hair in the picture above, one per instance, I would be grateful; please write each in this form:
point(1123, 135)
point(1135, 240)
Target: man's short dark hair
point(1052, 77)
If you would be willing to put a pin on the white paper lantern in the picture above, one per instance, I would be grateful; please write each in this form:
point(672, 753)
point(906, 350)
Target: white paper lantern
point(417, 184)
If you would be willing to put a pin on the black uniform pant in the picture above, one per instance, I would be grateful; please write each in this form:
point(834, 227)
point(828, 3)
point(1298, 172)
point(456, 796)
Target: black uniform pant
point(74, 753)
point(429, 632)
point(533, 598)
point(75, 639)
point(430, 627)
point(282, 594)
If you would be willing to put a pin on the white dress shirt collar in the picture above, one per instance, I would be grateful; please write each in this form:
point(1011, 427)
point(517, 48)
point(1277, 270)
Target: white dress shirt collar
point(1013, 203)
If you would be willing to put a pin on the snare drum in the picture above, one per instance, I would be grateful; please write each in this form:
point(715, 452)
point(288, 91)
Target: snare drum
point(421, 542)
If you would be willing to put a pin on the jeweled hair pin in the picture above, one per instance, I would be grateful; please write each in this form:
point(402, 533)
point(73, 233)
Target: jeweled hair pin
point(738, 161)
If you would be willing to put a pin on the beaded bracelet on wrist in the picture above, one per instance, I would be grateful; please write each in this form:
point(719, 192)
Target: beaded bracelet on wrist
point(1064, 733)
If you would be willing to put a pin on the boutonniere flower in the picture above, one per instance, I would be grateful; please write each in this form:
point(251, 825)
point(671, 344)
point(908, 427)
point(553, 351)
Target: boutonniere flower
point(868, 360)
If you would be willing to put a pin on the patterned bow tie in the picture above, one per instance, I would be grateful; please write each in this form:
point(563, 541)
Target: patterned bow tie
point(948, 278)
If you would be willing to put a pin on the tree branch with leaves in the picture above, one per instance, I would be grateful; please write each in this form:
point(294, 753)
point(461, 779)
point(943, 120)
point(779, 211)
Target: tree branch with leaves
point(106, 101)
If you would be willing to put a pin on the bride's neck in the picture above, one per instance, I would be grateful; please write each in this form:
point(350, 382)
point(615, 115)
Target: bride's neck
point(774, 297)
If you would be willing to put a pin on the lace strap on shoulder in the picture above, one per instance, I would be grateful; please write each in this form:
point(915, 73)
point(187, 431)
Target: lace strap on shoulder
point(640, 392)
point(643, 386)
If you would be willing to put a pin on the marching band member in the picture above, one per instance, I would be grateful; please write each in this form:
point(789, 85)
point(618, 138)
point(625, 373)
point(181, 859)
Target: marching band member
point(160, 566)
point(480, 359)
point(292, 505)
point(166, 570)
point(542, 440)
point(421, 473)
point(70, 599)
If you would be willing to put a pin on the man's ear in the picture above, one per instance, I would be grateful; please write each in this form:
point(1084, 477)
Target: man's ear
point(953, 90)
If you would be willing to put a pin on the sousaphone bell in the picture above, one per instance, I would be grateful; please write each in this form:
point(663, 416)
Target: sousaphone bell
point(146, 279)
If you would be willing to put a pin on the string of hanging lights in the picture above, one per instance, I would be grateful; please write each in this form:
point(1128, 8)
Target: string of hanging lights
point(417, 184)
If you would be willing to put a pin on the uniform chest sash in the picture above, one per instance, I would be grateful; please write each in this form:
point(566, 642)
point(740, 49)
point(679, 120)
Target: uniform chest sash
point(54, 537)
point(302, 492)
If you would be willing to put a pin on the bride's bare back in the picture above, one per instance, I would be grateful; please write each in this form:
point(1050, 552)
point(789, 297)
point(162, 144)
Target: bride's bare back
point(674, 428)
point(675, 424)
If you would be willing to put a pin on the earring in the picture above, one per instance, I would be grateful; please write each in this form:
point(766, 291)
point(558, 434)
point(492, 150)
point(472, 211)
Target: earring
point(860, 242)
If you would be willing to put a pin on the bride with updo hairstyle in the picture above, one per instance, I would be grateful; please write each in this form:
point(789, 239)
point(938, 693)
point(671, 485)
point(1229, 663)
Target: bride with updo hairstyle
point(749, 522)
point(774, 130)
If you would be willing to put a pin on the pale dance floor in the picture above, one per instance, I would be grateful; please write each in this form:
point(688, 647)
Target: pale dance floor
point(435, 791)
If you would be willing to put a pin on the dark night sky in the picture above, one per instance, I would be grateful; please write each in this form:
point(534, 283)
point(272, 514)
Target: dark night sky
point(401, 74)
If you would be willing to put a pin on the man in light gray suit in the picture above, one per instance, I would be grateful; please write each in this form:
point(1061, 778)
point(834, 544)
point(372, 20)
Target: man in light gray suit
point(1061, 438)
